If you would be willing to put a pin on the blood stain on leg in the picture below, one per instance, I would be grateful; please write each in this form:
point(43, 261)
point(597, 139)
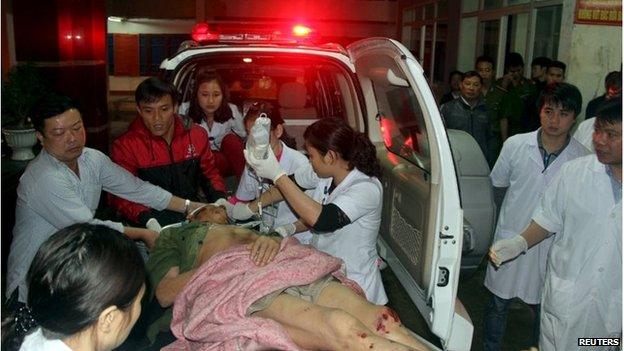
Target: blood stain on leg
point(394, 315)
point(380, 326)
point(362, 335)
point(371, 346)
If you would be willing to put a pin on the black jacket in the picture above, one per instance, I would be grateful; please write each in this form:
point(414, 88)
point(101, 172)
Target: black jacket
point(457, 114)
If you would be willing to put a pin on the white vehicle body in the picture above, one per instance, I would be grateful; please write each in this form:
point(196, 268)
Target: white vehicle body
point(380, 89)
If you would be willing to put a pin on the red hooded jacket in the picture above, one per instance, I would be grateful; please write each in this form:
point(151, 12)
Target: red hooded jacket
point(180, 168)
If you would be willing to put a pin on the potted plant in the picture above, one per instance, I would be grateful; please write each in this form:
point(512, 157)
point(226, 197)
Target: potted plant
point(21, 90)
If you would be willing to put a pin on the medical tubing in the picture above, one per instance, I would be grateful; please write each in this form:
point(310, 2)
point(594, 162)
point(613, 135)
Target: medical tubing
point(258, 194)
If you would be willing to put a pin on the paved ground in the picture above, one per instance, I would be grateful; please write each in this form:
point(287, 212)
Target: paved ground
point(473, 295)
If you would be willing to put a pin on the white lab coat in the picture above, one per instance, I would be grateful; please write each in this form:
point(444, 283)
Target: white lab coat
point(220, 130)
point(281, 213)
point(36, 341)
point(584, 133)
point(360, 198)
point(520, 169)
point(582, 295)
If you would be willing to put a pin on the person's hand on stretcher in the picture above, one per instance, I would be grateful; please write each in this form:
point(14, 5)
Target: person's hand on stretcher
point(262, 250)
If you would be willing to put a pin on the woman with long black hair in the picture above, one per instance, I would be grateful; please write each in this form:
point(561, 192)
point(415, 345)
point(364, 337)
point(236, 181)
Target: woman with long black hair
point(210, 108)
point(342, 206)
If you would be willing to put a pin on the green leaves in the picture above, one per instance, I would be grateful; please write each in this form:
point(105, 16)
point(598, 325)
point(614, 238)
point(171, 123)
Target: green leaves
point(21, 91)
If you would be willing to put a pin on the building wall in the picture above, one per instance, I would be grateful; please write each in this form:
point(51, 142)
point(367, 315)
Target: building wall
point(8, 41)
point(464, 61)
point(345, 18)
point(335, 21)
point(119, 85)
point(326, 10)
point(590, 51)
point(163, 9)
point(151, 26)
point(67, 43)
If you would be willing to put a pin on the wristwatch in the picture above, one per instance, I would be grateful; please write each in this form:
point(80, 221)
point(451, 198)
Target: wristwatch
point(187, 205)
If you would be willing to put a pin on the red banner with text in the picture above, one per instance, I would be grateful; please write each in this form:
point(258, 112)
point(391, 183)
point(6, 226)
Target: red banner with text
point(601, 12)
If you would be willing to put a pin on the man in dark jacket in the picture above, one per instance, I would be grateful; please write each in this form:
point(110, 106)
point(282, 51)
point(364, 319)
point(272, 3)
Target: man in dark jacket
point(513, 110)
point(453, 93)
point(468, 112)
point(613, 88)
point(161, 148)
point(493, 93)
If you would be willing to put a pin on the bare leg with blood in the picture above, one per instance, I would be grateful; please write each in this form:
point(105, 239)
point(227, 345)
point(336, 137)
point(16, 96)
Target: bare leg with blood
point(316, 327)
point(382, 320)
point(340, 320)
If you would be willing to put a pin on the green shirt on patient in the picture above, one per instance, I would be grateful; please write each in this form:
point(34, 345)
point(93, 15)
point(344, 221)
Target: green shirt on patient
point(175, 247)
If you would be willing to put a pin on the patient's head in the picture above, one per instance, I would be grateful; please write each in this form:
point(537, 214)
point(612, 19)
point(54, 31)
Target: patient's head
point(211, 214)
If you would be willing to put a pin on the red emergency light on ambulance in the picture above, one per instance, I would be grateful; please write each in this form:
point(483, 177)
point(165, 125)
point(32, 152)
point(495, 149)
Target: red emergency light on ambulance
point(378, 87)
point(224, 33)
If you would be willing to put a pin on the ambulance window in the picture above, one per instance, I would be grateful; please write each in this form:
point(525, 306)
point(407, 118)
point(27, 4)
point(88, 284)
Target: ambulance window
point(402, 124)
point(184, 85)
point(347, 100)
point(333, 95)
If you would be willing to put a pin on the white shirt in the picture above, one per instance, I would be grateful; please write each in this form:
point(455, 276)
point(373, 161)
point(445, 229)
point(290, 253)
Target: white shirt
point(50, 197)
point(281, 213)
point(582, 295)
point(36, 341)
point(360, 198)
point(584, 133)
point(520, 169)
point(220, 130)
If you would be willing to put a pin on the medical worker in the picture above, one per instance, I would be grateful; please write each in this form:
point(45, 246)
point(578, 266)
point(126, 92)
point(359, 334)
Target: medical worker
point(279, 215)
point(527, 164)
point(584, 133)
point(344, 207)
point(613, 89)
point(582, 294)
point(210, 109)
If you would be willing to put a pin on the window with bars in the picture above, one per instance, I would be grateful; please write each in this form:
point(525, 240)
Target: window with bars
point(425, 34)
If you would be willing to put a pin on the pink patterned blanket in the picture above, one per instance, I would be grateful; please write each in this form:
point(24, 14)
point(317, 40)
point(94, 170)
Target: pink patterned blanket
point(209, 314)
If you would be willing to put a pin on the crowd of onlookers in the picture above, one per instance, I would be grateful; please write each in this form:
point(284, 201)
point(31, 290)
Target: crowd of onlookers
point(558, 236)
point(492, 110)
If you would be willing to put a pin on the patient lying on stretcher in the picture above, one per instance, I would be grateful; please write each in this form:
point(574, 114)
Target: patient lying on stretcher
point(263, 292)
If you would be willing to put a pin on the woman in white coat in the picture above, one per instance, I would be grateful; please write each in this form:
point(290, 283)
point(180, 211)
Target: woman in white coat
point(279, 215)
point(84, 293)
point(343, 205)
point(223, 121)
